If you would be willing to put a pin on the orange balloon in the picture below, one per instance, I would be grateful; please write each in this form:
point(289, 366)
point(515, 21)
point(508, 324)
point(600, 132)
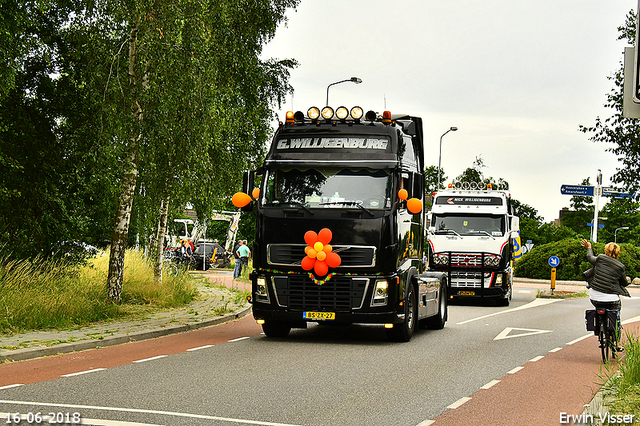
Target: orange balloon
point(307, 263)
point(403, 194)
point(240, 199)
point(312, 253)
point(310, 238)
point(414, 205)
point(321, 255)
point(327, 248)
point(321, 268)
point(325, 235)
point(333, 260)
point(255, 193)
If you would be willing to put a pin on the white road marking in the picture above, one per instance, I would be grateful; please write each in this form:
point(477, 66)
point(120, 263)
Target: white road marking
point(580, 338)
point(238, 339)
point(11, 386)
point(151, 359)
point(515, 370)
point(459, 402)
point(534, 304)
point(80, 373)
point(426, 423)
point(555, 350)
point(490, 384)
point(200, 347)
point(133, 410)
point(504, 334)
point(538, 358)
point(634, 319)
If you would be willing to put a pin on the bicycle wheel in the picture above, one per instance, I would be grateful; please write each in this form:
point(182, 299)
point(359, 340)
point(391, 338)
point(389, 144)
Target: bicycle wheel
point(603, 338)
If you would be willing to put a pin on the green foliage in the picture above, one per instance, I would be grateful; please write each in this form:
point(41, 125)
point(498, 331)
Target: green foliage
point(573, 260)
point(43, 294)
point(624, 384)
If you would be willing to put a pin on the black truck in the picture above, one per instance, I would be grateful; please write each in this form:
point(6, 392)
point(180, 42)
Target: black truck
point(340, 225)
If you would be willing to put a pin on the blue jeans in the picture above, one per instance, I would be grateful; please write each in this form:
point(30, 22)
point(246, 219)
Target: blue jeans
point(237, 271)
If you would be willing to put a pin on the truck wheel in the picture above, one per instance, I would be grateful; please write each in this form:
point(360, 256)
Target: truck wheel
point(437, 321)
point(276, 329)
point(403, 332)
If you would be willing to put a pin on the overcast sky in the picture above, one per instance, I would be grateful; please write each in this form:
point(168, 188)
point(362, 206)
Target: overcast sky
point(517, 77)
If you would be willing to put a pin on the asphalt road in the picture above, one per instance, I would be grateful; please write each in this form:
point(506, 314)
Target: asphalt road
point(468, 373)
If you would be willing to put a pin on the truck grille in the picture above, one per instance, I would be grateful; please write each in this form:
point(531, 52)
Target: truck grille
point(468, 260)
point(298, 292)
point(292, 255)
point(470, 279)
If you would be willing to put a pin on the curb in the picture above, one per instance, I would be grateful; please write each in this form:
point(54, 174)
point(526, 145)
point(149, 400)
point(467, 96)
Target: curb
point(118, 339)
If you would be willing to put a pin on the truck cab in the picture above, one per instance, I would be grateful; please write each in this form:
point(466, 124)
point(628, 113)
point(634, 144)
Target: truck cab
point(349, 185)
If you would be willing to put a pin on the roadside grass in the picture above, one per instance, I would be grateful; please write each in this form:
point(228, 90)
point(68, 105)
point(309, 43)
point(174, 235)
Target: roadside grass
point(622, 386)
point(40, 294)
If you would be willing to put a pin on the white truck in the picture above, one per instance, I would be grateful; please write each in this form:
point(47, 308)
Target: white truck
point(474, 238)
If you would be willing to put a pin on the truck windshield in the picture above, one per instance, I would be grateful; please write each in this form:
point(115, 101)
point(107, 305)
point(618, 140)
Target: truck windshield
point(326, 188)
point(466, 224)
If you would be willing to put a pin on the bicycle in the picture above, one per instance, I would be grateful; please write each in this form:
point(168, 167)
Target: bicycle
point(605, 323)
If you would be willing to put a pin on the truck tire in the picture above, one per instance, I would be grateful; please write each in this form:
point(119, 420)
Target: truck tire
point(276, 329)
point(404, 331)
point(437, 321)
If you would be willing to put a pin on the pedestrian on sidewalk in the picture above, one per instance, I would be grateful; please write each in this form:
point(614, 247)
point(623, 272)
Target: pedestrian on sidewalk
point(237, 270)
point(244, 253)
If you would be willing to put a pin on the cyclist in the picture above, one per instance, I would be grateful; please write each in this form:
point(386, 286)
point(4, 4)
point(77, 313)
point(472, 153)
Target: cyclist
point(608, 280)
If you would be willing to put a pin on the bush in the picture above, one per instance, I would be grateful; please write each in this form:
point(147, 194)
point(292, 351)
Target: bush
point(573, 260)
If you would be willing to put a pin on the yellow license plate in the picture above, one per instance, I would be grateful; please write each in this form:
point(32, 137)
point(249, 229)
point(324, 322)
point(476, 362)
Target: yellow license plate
point(466, 293)
point(319, 316)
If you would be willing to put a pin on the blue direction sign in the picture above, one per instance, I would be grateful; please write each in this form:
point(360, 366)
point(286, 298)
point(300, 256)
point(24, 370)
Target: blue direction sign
point(600, 225)
point(584, 190)
point(554, 261)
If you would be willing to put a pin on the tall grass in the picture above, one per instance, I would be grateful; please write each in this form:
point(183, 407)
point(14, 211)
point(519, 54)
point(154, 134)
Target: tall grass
point(625, 384)
point(40, 294)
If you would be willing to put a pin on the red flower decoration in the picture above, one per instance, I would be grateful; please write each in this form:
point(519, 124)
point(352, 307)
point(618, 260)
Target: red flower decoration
point(320, 256)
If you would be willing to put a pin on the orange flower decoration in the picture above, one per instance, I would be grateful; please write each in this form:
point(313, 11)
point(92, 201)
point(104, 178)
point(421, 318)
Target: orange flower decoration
point(320, 256)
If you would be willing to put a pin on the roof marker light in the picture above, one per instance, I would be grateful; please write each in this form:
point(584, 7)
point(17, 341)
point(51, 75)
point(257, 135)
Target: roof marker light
point(289, 119)
point(298, 117)
point(356, 113)
point(386, 117)
point(313, 113)
point(327, 113)
point(342, 113)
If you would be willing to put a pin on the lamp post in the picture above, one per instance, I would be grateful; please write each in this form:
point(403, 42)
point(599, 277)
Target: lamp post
point(355, 80)
point(615, 233)
point(451, 129)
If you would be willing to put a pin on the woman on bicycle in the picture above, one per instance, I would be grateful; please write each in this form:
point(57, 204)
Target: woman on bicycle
point(608, 281)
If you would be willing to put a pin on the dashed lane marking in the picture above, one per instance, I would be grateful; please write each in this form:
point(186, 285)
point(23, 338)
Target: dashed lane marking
point(538, 358)
point(11, 386)
point(490, 384)
point(151, 359)
point(238, 339)
point(459, 402)
point(515, 370)
point(200, 347)
point(80, 373)
point(555, 350)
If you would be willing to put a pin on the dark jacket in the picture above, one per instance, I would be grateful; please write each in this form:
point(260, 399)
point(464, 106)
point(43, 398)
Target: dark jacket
point(608, 274)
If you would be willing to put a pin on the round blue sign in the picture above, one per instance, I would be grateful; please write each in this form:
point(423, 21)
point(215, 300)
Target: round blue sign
point(554, 261)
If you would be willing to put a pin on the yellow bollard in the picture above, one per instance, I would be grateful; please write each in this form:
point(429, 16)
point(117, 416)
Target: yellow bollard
point(553, 279)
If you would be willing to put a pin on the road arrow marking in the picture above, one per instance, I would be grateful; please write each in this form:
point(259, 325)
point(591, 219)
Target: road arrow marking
point(527, 332)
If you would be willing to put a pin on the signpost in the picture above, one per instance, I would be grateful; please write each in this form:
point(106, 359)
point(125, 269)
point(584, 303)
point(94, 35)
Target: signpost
point(554, 261)
point(581, 190)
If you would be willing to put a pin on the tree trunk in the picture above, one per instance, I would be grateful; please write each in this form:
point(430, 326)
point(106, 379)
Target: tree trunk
point(159, 240)
point(121, 230)
point(129, 181)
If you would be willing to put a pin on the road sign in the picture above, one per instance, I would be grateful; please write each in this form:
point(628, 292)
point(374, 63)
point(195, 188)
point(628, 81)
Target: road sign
point(583, 190)
point(554, 261)
point(600, 225)
point(612, 192)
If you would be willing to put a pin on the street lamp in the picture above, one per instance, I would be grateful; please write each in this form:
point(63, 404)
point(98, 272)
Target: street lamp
point(451, 129)
point(615, 233)
point(356, 80)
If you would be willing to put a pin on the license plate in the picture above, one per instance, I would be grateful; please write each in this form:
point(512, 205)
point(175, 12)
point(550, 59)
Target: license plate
point(466, 293)
point(319, 316)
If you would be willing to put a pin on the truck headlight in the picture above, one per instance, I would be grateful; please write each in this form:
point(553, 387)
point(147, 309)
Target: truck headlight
point(380, 293)
point(491, 260)
point(441, 259)
point(498, 282)
point(261, 294)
